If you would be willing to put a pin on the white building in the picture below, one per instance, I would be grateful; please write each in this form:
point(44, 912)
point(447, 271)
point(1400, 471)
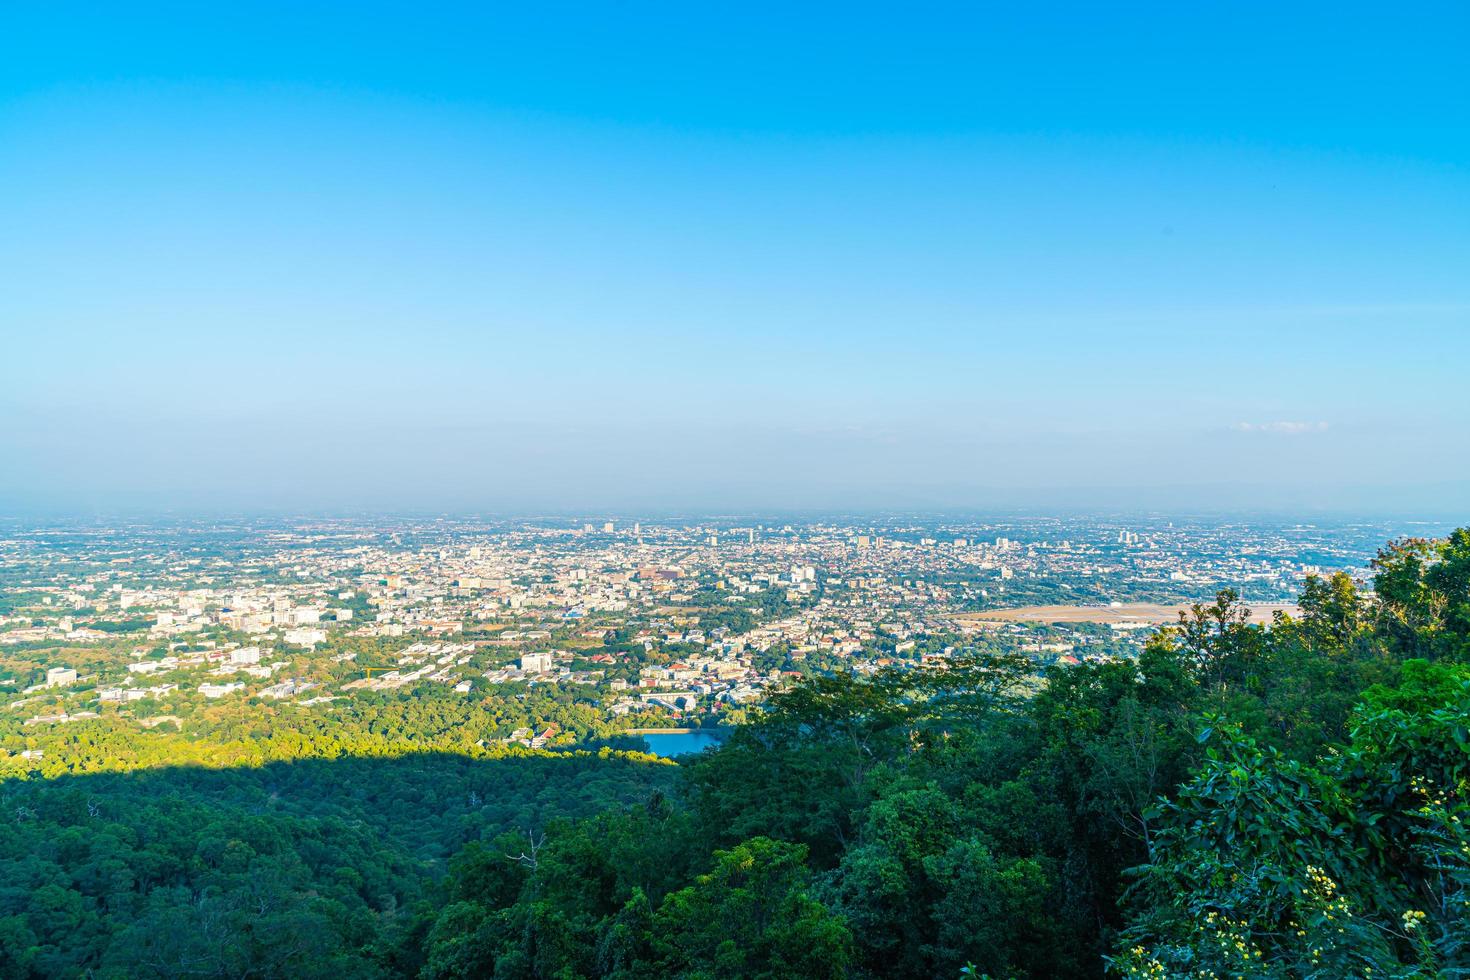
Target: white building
point(535, 663)
point(61, 676)
point(245, 655)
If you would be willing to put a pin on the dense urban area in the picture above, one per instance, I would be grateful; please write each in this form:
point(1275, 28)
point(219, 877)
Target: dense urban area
point(594, 627)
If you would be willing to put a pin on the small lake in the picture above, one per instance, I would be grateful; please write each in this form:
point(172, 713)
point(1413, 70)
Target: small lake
point(670, 744)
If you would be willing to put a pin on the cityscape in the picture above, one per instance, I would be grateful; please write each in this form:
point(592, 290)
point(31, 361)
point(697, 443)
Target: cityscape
point(668, 491)
point(651, 625)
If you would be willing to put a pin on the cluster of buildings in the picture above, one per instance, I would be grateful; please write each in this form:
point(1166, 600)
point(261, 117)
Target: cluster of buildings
point(679, 618)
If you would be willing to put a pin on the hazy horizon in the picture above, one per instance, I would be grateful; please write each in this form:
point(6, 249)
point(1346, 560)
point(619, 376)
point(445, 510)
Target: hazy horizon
point(774, 517)
point(645, 258)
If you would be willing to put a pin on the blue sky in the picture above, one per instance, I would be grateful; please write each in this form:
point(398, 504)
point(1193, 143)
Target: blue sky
point(1179, 256)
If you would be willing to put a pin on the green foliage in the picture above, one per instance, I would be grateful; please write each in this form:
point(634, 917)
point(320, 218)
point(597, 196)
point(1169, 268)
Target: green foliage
point(311, 868)
point(1356, 864)
point(1423, 589)
point(750, 916)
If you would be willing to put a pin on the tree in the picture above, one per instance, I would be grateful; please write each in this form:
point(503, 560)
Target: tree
point(1332, 612)
point(1357, 864)
point(751, 916)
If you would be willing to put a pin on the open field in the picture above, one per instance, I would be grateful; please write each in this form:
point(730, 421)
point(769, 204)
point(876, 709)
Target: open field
point(1133, 612)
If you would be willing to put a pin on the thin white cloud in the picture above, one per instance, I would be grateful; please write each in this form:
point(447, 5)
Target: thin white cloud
point(1284, 428)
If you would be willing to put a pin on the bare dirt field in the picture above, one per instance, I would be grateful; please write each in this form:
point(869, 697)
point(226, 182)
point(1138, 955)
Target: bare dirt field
point(1133, 612)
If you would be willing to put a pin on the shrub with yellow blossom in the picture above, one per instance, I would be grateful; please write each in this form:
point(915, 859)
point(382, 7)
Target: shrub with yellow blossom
point(1358, 865)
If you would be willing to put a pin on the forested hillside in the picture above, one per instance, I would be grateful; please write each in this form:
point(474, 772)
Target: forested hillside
point(1237, 801)
point(314, 867)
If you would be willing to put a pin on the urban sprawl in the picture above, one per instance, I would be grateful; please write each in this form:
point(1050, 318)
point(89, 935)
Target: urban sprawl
point(646, 623)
